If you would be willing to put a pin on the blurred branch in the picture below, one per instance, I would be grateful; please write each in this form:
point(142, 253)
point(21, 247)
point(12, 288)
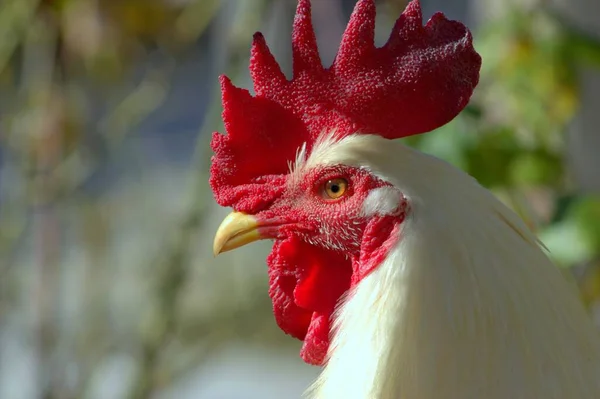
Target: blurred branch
point(39, 50)
point(173, 269)
point(172, 272)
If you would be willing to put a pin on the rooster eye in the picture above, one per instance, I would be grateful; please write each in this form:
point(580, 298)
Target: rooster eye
point(335, 188)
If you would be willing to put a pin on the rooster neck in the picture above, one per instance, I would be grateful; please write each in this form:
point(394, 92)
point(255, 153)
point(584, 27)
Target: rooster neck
point(465, 306)
point(427, 324)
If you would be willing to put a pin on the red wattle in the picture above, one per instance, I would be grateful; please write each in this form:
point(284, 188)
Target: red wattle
point(305, 285)
point(317, 340)
point(306, 282)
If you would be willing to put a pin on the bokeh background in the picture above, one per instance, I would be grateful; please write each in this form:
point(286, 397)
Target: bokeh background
point(108, 287)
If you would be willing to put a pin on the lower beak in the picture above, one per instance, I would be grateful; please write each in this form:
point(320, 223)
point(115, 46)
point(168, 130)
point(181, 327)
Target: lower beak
point(236, 230)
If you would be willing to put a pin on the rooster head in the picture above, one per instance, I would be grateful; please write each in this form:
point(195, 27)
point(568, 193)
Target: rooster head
point(280, 167)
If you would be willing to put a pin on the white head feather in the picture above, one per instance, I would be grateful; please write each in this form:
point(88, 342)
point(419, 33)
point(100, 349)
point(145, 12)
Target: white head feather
point(467, 306)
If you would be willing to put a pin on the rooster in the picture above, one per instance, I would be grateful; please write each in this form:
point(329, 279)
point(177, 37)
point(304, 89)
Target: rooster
point(403, 277)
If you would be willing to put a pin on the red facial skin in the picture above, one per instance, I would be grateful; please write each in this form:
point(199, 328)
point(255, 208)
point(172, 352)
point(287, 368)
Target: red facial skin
point(322, 248)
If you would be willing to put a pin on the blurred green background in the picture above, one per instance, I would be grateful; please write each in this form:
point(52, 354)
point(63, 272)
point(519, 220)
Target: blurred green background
point(108, 287)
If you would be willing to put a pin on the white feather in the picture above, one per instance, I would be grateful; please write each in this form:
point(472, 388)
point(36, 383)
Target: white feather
point(382, 201)
point(466, 306)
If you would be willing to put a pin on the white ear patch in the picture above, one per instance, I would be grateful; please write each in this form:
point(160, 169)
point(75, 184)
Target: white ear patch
point(382, 201)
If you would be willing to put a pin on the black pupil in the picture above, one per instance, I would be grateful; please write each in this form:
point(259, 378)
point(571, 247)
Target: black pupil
point(335, 188)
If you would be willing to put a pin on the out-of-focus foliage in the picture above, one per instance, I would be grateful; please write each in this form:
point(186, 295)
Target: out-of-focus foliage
point(77, 77)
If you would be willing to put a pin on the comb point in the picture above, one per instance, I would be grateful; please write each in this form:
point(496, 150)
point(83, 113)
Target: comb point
point(305, 52)
point(358, 40)
point(228, 90)
point(235, 101)
point(225, 82)
point(414, 11)
point(407, 25)
point(264, 69)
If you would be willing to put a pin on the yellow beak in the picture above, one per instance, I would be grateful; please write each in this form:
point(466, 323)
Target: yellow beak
point(236, 230)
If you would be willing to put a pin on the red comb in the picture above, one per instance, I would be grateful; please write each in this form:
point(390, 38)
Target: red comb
point(418, 81)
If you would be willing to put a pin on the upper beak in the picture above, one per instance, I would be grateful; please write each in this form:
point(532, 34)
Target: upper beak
point(236, 230)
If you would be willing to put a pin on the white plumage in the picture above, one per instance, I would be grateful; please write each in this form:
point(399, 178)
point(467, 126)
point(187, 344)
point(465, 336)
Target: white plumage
point(466, 306)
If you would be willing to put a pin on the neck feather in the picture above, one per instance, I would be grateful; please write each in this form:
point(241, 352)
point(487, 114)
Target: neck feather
point(466, 306)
